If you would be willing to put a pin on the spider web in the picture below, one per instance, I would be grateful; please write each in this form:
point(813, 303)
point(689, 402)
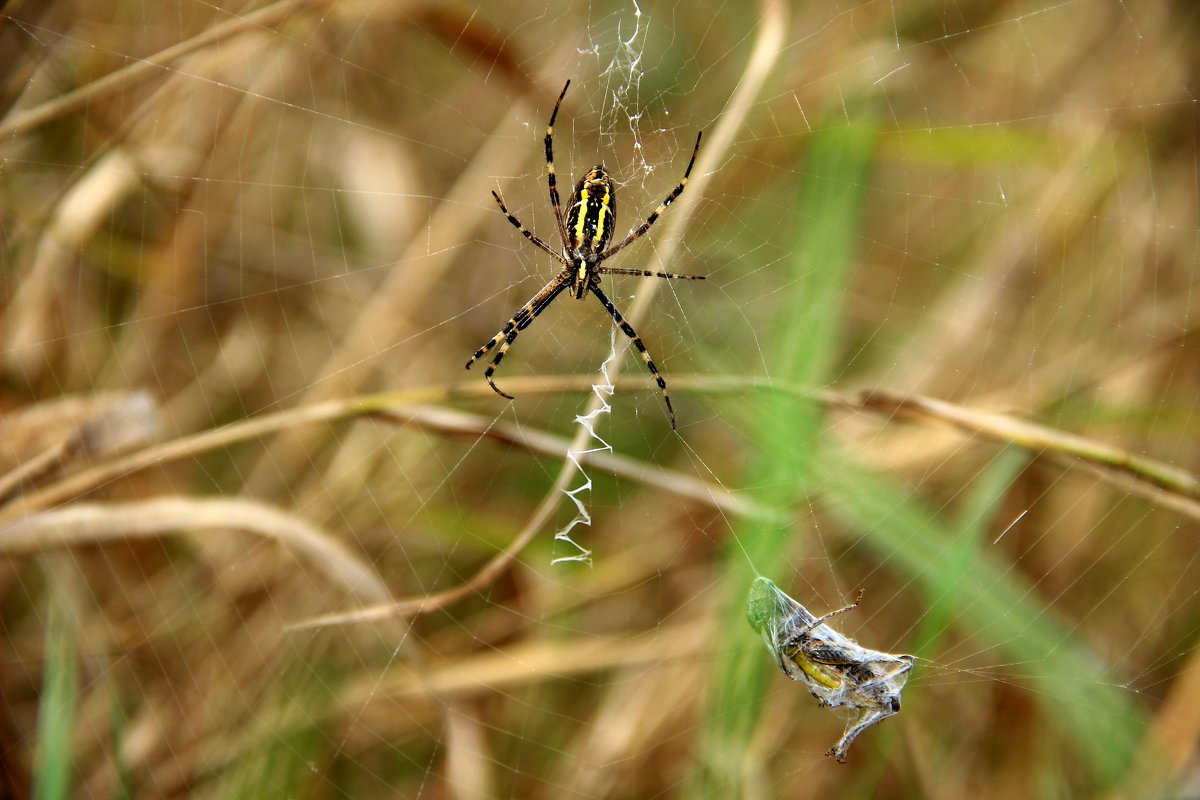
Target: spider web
point(946, 352)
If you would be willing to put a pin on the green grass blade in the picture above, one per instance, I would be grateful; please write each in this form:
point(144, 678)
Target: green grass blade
point(56, 710)
point(983, 499)
point(118, 724)
point(1000, 609)
point(804, 350)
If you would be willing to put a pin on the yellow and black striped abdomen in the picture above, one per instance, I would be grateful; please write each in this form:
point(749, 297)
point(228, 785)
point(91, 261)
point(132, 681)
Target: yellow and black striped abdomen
point(593, 212)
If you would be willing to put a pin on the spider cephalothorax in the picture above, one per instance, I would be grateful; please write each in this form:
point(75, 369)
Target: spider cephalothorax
point(585, 232)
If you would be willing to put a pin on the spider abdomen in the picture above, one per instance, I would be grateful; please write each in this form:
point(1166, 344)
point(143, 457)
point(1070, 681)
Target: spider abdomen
point(593, 212)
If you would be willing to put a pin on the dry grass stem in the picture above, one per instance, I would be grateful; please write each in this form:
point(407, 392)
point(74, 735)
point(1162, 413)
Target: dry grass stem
point(158, 64)
point(1170, 480)
point(100, 523)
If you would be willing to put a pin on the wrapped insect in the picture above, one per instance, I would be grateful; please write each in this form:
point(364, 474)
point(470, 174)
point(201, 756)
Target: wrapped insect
point(838, 671)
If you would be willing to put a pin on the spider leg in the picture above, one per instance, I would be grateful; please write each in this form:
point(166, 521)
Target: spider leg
point(658, 212)
point(637, 342)
point(520, 321)
point(645, 273)
point(550, 177)
point(528, 234)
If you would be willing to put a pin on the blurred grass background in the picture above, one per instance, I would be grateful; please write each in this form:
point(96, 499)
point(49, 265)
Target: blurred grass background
point(247, 248)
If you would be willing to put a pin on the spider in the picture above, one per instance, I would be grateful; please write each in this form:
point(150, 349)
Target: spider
point(585, 233)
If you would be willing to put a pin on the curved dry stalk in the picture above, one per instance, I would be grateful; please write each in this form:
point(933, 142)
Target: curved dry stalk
point(87, 480)
point(98, 523)
point(42, 439)
point(80, 483)
point(495, 567)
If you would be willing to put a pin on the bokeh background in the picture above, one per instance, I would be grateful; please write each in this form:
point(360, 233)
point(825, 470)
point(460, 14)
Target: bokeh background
point(263, 536)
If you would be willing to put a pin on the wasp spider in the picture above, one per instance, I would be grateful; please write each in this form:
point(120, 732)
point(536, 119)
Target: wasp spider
point(585, 232)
